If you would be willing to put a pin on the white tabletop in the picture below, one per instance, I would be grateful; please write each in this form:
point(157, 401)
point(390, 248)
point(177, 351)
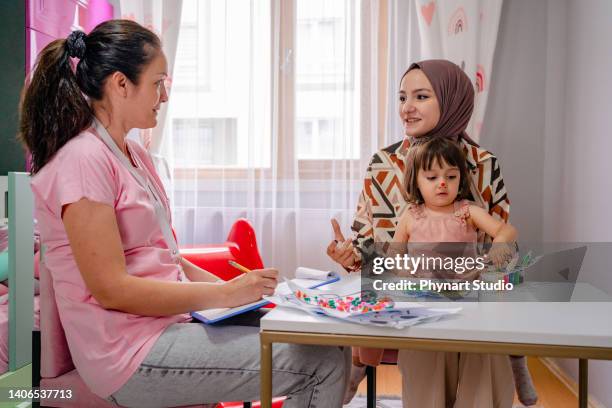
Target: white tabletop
point(587, 324)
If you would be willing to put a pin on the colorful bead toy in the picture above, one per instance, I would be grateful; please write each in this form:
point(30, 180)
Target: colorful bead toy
point(349, 304)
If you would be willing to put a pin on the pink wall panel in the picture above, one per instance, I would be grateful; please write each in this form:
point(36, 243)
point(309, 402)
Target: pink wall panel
point(47, 20)
point(56, 18)
point(98, 11)
point(36, 42)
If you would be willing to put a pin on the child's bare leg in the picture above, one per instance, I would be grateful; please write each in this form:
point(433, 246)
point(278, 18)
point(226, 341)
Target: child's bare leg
point(357, 373)
point(522, 381)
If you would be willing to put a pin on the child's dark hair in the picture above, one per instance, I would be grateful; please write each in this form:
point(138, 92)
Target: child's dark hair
point(422, 157)
point(53, 109)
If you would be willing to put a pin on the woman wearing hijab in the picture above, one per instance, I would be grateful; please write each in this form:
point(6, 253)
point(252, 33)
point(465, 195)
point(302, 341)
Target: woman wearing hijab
point(436, 99)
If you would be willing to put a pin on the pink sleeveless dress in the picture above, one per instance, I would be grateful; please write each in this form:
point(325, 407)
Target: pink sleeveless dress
point(442, 235)
point(428, 227)
point(452, 227)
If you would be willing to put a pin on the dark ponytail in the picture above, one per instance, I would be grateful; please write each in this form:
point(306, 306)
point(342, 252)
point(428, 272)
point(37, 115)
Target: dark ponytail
point(53, 107)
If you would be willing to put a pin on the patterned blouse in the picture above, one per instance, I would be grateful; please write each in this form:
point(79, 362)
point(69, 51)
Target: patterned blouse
point(381, 202)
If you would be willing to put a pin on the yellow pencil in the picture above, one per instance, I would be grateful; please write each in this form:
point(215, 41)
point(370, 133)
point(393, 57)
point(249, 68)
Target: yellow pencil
point(239, 267)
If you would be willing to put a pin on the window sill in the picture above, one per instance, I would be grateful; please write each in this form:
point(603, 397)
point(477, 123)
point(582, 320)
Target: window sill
point(331, 169)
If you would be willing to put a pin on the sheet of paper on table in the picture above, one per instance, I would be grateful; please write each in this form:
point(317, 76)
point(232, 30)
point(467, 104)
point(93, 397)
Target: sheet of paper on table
point(396, 314)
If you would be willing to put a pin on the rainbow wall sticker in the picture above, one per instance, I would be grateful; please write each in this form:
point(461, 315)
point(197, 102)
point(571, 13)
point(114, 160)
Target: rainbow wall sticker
point(458, 22)
point(480, 78)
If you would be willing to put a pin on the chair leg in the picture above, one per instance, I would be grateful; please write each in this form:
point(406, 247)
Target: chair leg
point(371, 382)
point(35, 358)
point(36, 363)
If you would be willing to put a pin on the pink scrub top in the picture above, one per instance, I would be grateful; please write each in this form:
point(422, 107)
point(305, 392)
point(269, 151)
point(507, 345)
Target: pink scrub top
point(107, 346)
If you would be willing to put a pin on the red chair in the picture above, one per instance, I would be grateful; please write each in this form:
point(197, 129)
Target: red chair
point(241, 246)
point(56, 368)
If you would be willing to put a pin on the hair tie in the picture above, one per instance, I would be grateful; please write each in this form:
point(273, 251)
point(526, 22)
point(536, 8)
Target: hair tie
point(75, 43)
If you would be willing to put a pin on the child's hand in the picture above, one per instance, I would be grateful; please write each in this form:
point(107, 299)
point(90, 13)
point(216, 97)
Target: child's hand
point(500, 253)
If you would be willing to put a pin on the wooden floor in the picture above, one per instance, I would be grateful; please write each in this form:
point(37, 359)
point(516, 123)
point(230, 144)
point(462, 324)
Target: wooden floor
point(551, 392)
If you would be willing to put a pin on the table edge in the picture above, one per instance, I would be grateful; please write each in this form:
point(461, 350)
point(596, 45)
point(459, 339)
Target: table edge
point(428, 344)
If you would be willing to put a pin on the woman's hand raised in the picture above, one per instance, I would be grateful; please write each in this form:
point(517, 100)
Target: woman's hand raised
point(341, 250)
point(250, 287)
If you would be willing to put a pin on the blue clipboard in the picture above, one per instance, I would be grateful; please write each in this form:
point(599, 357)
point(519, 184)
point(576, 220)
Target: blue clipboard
point(235, 311)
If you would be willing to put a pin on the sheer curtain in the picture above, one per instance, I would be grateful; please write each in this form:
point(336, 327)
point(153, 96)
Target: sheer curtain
point(268, 121)
point(163, 17)
point(278, 105)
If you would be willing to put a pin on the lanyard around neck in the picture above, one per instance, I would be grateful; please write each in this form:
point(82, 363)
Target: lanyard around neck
point(154, 195)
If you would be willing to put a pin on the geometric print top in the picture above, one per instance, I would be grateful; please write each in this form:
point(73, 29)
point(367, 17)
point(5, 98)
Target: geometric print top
point(381, 202)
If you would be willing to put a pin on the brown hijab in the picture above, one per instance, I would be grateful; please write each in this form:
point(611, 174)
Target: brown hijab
point(455, 93)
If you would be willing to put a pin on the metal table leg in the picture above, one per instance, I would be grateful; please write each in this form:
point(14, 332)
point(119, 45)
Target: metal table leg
point(583, 383)
point(371, 382)
point(266, 374)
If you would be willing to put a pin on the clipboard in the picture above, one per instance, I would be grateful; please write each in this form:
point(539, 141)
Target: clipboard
point(210, 316)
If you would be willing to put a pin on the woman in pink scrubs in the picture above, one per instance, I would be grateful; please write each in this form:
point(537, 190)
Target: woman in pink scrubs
point(122, 289)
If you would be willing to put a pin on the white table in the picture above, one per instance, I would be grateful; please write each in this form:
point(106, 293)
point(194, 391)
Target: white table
point(579, 330)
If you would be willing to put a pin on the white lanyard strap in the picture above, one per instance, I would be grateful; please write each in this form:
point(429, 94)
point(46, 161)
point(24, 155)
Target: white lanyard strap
point(154, 196)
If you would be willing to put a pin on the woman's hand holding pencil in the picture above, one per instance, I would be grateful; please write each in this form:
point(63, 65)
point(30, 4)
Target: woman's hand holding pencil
point(239, 267)
point(251, 285)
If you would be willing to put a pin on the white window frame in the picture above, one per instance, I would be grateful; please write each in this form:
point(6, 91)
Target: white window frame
point(283, 14)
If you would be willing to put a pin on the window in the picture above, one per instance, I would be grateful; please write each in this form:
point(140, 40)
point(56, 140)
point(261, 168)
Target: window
point(222, 46)
point(325, 55)
point(192, 66)
point(316, 138)
point(205, 142)
point(226, 105)
point(327, 94)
